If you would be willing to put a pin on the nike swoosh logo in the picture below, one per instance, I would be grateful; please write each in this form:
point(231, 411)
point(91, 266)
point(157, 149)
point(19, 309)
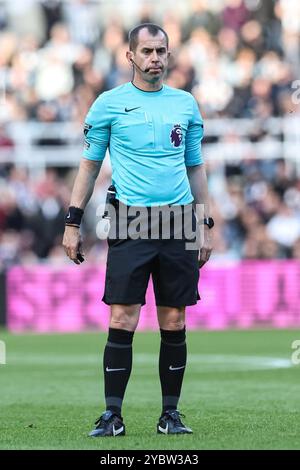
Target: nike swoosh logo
point(127, 110)
point(164, 430)
point(113, 370)
point(69, 215)
point(117, 431)
point(176, 368)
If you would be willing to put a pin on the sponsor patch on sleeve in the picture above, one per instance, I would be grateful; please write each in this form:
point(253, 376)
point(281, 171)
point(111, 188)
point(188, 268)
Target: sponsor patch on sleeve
point(87, 128)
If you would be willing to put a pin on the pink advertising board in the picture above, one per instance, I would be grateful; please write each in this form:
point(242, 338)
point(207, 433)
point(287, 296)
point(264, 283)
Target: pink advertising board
point(236, 295)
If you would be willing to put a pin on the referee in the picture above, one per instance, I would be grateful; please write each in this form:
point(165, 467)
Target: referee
point(154, 134)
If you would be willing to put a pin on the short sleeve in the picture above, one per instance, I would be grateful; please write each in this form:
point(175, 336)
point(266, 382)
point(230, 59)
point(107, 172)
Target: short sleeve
point(194, 135)
point(97, 130)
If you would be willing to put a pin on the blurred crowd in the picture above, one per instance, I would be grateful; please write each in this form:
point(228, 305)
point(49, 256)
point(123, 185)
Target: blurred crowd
point(237, 57)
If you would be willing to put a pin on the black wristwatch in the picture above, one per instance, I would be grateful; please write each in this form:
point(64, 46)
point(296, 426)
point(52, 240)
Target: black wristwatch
point(209, 221)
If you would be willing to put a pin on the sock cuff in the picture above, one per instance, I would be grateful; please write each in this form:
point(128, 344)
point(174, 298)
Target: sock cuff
point(120, 336)
point(173, 336)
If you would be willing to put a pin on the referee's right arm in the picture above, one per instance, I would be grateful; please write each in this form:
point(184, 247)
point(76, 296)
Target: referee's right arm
point(81, 194)
point(97, 134)
point(85, 182)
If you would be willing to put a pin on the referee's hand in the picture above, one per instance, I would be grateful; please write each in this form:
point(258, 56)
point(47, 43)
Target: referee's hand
point(72, 244)
point(206, 249)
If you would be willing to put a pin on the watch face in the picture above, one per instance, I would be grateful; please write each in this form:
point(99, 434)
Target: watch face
point(209, 221)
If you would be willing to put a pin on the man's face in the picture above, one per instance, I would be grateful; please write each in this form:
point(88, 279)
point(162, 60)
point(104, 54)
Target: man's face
point(151, 55)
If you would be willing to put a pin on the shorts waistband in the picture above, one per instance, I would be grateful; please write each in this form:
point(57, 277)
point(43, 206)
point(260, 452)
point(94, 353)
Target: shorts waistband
point(161, 207)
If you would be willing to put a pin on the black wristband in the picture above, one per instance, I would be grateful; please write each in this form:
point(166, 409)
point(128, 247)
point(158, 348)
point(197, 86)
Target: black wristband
point(74, 216)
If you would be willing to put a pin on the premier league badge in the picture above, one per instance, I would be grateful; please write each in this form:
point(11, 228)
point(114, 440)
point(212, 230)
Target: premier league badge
point(176, 135)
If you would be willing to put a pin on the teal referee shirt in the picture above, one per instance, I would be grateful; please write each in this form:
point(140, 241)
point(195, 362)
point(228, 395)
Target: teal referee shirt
point(152, 137)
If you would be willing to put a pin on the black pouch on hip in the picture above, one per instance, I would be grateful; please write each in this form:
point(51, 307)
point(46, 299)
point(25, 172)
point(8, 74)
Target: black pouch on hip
point(111, 200)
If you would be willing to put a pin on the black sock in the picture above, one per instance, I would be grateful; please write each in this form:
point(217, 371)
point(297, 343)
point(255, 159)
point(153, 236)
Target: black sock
point(117, 355)
point(172, 361)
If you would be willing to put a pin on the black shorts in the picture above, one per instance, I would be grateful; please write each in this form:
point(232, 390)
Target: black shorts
point(131, 261)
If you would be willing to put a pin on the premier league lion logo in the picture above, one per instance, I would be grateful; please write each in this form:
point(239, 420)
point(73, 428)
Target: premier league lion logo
point(176, 135)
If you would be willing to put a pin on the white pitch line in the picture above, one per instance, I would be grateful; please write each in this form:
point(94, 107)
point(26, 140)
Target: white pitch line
point(203, 362)
point(226, 361)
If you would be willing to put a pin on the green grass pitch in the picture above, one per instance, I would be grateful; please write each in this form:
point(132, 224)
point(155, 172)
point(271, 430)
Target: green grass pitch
point(240, 391)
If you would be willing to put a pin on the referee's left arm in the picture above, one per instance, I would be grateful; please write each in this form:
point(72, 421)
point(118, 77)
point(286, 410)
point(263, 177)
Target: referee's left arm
point(198, 180)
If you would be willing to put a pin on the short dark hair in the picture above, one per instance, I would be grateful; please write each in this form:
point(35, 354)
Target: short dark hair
point(152, 28)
